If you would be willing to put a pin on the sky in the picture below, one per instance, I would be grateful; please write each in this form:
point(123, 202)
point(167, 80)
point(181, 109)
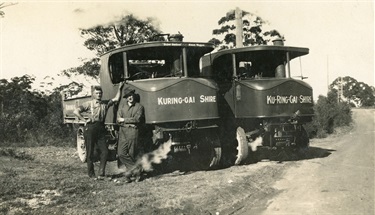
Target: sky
point(41, 38)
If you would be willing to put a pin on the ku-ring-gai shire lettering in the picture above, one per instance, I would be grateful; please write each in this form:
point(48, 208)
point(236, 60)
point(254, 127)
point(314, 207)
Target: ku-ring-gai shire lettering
point(290, 99)
point(185, 100)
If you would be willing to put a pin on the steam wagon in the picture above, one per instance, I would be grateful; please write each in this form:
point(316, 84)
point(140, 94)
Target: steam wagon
point(180, 106)
point(259, 103)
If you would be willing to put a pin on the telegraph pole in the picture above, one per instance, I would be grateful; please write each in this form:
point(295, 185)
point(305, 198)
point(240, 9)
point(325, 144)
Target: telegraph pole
point(340, 90)
point(239, 26)
point(327, 75)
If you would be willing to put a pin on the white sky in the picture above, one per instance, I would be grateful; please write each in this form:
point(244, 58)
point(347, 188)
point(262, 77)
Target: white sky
point(41, 38)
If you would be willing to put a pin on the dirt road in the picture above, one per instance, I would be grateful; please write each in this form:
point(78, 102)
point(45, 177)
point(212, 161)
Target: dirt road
point(342, 183)
point(337, 177)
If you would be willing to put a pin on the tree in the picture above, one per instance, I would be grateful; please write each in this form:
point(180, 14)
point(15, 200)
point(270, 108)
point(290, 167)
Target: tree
point(89, 68)
point(102, 38)
point(22, 109)
point(128, 30)
point(354, 92)
point(30, 115)
point(3, 5)
point(252, 31)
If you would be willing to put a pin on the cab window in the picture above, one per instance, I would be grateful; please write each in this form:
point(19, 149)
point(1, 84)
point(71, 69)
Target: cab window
point(116, 68)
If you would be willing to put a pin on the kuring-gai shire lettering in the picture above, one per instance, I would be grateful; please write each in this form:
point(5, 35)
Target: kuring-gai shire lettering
point(185, 100)
point(290, 99)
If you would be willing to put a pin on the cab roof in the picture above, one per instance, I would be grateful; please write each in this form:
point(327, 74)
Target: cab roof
point(293, 51)
point(207, 46)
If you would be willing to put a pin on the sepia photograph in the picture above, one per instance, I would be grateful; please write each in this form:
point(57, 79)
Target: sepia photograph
point(212, 107)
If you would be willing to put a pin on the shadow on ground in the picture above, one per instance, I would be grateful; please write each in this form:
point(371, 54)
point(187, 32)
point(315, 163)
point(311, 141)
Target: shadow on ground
point(289, 154)
point(174, 168)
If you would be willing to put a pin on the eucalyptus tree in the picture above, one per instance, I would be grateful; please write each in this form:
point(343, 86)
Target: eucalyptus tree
point(102, 38)
point(126, 31)
point(252, 30)
point(353, 91)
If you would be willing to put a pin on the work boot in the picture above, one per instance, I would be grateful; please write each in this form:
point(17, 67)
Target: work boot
point(91, 174)
point(101, 172)
point(138, 178)
point(100, 178)
point(127, 178)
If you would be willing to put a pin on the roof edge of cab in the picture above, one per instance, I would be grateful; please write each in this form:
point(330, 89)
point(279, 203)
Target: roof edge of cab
point(158, 44)
point(298, 51)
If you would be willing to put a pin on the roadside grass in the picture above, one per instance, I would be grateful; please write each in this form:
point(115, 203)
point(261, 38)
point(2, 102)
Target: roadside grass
point(343, 129)
point(25, 176)
point(50, 180)
point(56, 182)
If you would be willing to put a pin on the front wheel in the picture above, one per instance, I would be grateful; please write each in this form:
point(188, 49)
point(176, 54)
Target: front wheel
point(81, 146)
point(242, 147)
point(207, 156)
point(303, 143)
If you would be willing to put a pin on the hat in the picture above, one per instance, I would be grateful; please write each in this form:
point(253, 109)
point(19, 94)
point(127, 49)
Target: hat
point(128, 91)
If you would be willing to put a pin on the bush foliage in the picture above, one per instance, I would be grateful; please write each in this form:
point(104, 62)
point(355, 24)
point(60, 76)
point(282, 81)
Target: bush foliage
point(30, 117)
point(329, 114)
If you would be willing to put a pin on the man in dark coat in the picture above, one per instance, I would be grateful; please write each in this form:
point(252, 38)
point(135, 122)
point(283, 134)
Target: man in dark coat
point(131, 118)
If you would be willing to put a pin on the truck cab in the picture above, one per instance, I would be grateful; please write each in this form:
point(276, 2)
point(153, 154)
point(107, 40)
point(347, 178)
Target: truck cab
point(180, 105)
point(258, 98)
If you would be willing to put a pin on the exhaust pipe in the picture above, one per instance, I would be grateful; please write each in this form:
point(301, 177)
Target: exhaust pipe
point(280, 71)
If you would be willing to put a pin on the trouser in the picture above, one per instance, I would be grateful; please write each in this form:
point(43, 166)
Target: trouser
point(128, 148)
point(96, 146)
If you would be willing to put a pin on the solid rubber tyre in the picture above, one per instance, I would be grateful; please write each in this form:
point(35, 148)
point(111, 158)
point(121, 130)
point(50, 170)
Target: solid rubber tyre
point(215, 158)
point(81, 146)
point(208, 155)
point(242, 147)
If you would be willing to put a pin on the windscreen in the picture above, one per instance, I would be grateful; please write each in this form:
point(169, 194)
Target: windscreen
point(156, 62)
point(259, 64)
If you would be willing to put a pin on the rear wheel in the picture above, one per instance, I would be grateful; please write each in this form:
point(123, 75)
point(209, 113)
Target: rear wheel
point(81, 146)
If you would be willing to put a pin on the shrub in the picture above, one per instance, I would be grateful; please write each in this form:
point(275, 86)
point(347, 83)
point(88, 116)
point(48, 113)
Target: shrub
point(344, 115)
point(30, 118)
point(328, 115)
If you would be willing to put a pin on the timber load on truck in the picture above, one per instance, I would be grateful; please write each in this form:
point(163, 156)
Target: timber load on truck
point(259, 103)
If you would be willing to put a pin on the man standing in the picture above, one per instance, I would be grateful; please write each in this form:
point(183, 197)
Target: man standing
point(94, 133)
point(130, 117)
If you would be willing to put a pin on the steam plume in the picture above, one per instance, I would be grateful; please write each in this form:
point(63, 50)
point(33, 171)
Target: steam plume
point(155, 157)
point(257, 142)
